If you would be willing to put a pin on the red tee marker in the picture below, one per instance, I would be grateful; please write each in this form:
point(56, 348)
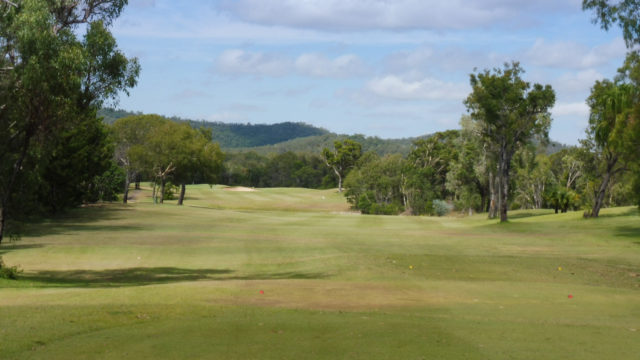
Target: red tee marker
point(570, 296)
point(261, 292)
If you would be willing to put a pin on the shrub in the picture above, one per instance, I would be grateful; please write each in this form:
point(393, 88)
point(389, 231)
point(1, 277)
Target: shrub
point(385, 209)
point(170, 191)
point(8, 272)
point(441, 207)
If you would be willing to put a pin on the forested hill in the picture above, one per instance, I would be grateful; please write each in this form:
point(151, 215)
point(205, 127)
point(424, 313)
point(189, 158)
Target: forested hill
point(288, 136)
point(315, 144)
point(231, 136)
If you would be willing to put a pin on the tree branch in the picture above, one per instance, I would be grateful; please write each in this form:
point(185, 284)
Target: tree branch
point(10, 3)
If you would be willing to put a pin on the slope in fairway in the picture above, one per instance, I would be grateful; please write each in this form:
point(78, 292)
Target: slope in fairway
point(292, 273)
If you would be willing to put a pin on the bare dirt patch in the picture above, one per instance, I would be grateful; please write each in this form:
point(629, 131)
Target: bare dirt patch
point(239, 188)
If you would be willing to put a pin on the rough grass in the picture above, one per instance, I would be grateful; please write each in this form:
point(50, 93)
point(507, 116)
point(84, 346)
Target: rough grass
point(151, 281)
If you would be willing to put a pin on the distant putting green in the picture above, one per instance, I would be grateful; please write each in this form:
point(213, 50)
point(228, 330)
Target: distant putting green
point(294, 274)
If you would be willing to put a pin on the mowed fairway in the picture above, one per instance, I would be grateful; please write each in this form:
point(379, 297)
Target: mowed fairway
point(293, 274)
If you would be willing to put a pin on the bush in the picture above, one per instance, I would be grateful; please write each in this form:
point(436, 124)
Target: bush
point(385, 209)
point(441, 207)
point(170, 191)
point(8, 272)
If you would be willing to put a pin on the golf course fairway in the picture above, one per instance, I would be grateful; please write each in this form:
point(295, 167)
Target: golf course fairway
point(295, 274)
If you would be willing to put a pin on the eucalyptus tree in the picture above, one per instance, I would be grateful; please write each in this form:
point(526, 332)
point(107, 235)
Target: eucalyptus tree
point(510, 112)
point(52, 81)
point(130, 135)
point(533, 178)
point(375, 186)
point(612, 132)
point(197, 159)
point(425, 174)
point(342, 159)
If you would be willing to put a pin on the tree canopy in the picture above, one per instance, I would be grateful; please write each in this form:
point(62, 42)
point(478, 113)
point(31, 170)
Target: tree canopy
point(342, 158)
point(510, 112)
point(625, 13)
point(52, 82)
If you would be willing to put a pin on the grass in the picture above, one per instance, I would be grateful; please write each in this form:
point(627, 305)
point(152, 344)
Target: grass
point(151, 281)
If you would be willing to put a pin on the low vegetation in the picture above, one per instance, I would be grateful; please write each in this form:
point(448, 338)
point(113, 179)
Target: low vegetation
point(292, 273)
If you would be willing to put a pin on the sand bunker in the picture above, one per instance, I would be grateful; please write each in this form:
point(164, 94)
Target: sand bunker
point(238, 188)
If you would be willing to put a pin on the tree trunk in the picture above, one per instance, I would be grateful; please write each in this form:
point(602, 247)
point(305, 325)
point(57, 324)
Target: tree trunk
point(493, 203)
point(505, 162)
point(339, 178)
point(153, 192)
point(600, 196)
point(504, 194)
point(603, 187)
point(183, 189)
point(162, 183)
point(2, 218)
point(127, 182)
point(137, 187)
point(483, 199)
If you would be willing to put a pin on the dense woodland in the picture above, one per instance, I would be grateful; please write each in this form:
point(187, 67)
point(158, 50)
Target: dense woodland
point(62, 148)
point(281, 137)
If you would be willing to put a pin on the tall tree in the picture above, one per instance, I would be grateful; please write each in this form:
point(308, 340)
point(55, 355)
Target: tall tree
point(198, 160)
point(130, 135)
point(50, 82)
point(342, 158)
point(612, 132)
point(533, 178)
point(424, 176)
point(374, 187)
point(162, 151)
point(510, 113)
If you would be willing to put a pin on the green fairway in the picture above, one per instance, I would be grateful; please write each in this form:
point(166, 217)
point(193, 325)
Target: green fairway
point(294, 274)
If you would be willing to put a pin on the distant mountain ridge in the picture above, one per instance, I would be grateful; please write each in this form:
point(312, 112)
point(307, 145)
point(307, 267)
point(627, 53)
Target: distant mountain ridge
point(231, 136)
point(315, 144)
point(289, 136)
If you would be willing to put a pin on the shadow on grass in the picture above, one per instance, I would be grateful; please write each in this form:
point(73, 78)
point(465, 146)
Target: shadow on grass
point(526, 214)
point(91, 218)
point(631, 212)
point(119, 277)
point(12, 246)
point(146, 276)
point(628, 231)
point(281, 276)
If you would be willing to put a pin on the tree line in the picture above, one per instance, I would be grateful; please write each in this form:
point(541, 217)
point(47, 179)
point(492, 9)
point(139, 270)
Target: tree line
point(495, 162)
point(161, 150)
point(60, 64)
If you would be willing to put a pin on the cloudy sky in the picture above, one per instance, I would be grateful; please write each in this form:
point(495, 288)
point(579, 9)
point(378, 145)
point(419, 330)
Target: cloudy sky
point(389, 68)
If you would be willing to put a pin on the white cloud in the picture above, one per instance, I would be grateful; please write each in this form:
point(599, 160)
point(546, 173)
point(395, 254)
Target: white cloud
point(241, 62)
point(572, 55)
point(576, 108)
point(398, 14)
point(443, 60)
point(395, 87)
point(320, 66)
point(579, 82)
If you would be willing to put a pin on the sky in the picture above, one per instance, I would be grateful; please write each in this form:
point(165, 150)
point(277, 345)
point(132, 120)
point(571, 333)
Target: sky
point(386, 68)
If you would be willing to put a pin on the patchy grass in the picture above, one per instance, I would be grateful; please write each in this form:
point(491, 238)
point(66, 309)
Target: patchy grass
point(291, 273)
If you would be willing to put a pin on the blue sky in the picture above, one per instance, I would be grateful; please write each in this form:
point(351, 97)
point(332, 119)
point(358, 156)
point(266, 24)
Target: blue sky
point(387, 68)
